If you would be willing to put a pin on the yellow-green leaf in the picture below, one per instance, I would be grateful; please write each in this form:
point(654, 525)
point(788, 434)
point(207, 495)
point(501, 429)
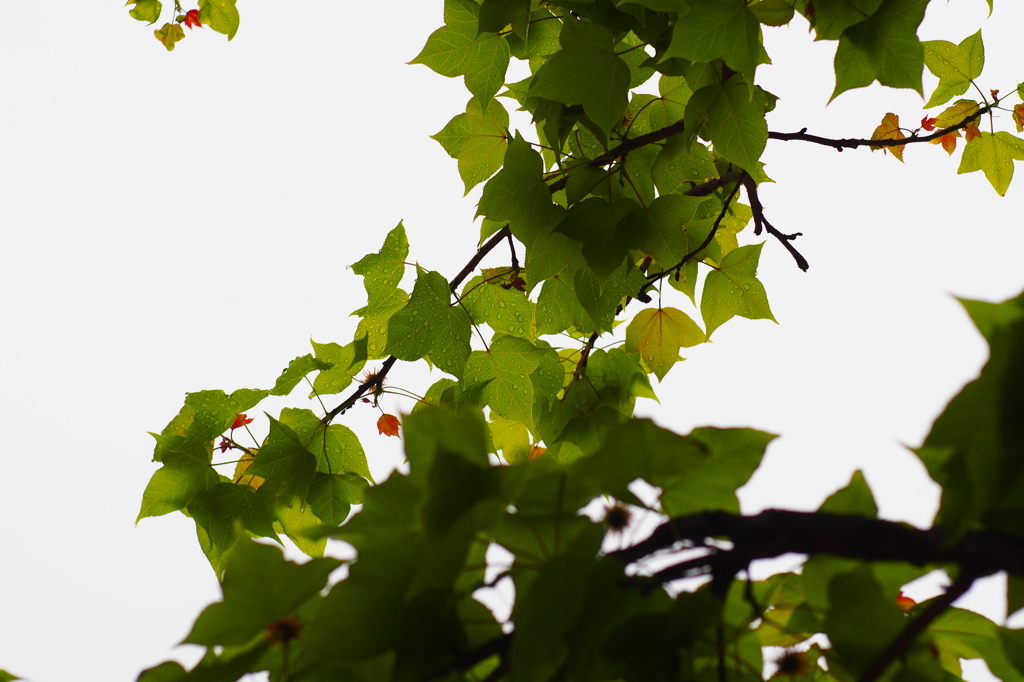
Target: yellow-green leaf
point(657, 336)
point(169, 34)
point(146, 10)
point(220, 15)
point(954, 65)
point(993, 154)
point(733, 289)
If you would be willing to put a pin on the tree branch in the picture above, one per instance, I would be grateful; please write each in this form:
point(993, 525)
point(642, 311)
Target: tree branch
point(848, 143)
point(377, 380)
point(775, 532)
point(899, 646)
point(761, 222)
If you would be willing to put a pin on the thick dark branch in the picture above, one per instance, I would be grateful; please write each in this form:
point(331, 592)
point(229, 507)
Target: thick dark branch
point(848, 143)
point(625, 147)
point(377, 380)
point(776, 532)
point(901, 644)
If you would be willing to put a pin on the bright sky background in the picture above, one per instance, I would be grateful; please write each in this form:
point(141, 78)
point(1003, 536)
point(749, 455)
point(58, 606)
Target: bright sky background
point(184, 221)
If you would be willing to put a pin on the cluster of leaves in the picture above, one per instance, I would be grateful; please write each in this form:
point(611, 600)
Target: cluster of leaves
point(614, 193)
point(219, 15)
point(957, 67)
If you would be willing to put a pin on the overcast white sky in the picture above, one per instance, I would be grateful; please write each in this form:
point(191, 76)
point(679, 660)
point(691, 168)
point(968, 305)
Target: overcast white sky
point(183, 221)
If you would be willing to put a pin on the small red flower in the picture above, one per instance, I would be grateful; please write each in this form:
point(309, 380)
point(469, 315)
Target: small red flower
point(192, 19)
point(928, 123)
point(240, 421)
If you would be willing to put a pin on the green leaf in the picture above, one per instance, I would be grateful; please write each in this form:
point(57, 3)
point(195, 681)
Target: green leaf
point(495, 15)
point(460, 49)
point(260, 588)
point(672, 227)
point(993, 154)
point(506, 311)
point(171, 488)
point(699, 472)
point(382, 271)
point(657, 336)
point(832, 17)
point(718, 29)
point(429, 324)
point(733, 120)
point(146, 10)
point(331, 496)
point(478, 140)
point(855, 499)
point(557, 306)
point(594, 222)
point(861, 621)
point(586, 71)
point(217, 510)
point(541, 41)
point(284, 458)
point(297, 520)
point(373, 328)
point(220, 15)
point(883, 47)
point(959, 633)
point(1015, 602)
point(552, 256)
point(773, 12)
point(343, 361)
point(733, 289)
point(974, 448)
point(169, 671)
point(518, 195)
point(676, 168)
point(336, 448)
point(956, 66)
point(511, 439)
point(507, 365)
point(295, 372)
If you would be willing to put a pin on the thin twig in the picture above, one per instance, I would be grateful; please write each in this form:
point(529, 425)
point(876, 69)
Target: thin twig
point(760, 222)
point(377, 380)
point(651, 279)
point(899, 646)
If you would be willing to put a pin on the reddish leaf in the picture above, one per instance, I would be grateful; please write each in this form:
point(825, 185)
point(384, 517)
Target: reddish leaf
point(948, 141)
point(928, 123)
point(536, 452)
point(905, 602)
point(240, 421)
point(192, 19)
point(388, 425)
point(1018, 117)
point(972, 131)
point(224, 445)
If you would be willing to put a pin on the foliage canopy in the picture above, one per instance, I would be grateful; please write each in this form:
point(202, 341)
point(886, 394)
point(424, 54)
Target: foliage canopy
point(616, 199)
